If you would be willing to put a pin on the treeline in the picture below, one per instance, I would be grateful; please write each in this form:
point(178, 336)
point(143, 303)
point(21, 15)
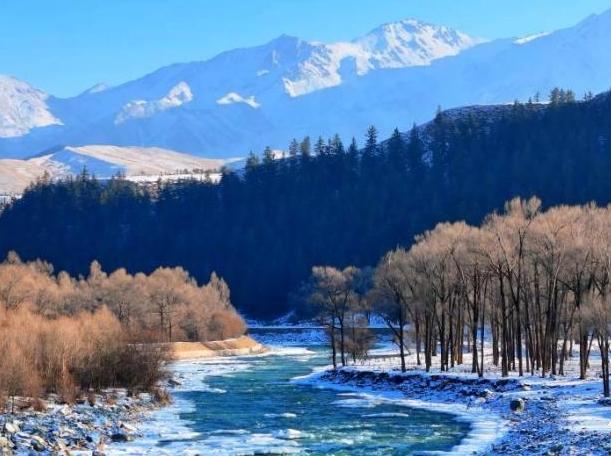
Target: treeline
point(532, 283)
point(68, 335)
point(327, 202)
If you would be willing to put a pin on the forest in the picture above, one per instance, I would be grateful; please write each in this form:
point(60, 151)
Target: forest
point(530, 283)
point(263, 228)
point(69, 335)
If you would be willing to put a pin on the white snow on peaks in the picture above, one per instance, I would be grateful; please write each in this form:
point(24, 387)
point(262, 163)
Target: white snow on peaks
point(22, 108)
point(101, 87)
point(412, 43)
point(233, 97)
point(394, 45)
point(529, 38)
point(179, 95)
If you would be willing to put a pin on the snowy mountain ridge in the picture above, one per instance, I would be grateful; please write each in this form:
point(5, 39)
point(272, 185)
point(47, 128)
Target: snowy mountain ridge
point(177, 96)
point(394, 45)
point(22, 108)
point(247, 99)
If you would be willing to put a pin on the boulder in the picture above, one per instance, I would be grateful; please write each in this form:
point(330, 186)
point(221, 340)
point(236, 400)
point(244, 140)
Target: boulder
point(121, 437)
point(5, 443)
point(174, 382)
point(38, 443)
point(128, 428)
point(11, 427)
point(517, 405)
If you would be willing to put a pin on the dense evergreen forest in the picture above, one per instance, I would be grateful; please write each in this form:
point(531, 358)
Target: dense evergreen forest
point(326, 203)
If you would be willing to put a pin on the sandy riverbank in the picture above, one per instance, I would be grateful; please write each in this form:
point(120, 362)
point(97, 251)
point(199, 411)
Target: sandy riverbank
point(240, 346)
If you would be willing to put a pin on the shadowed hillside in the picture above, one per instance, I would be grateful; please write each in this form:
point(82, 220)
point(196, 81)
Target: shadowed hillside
point(327, 203)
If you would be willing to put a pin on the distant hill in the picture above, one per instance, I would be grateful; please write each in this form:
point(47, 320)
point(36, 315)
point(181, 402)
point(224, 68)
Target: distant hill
point(102, 161)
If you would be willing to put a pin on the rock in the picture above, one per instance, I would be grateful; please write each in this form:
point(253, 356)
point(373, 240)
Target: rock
point(517, 405)
point(64, 410)
point(11, 427)
point(128, 428)
point(5, 443)
point(174, 382)
point(38, 443)
point(487, 393)
point(121, 437)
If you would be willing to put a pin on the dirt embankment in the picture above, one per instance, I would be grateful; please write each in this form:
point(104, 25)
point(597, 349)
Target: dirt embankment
point(240, 346)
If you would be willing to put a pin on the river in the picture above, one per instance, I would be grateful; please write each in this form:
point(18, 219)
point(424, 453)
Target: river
point(253, 405)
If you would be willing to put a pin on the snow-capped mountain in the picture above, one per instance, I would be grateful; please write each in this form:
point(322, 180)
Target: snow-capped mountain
point(177, 96)
point(246, 99)
point(22, 108)
point(395, 45)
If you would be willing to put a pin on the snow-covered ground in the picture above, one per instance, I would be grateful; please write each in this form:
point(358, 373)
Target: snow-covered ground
point(562, 414)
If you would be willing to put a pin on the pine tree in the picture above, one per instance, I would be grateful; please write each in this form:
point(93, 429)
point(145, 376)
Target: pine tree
point(268, 156)
point(305, 148)
point(396, 151)
point(251, 162)
point(320, 147)
point(415, 151)
point(371, 142)
point(336, 146)
point(293, 148)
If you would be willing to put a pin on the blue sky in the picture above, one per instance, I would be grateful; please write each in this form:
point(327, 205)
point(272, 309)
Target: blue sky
point(66, 46)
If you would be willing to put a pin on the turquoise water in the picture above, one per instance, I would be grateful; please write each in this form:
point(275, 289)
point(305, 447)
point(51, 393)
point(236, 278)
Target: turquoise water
point(250, 406)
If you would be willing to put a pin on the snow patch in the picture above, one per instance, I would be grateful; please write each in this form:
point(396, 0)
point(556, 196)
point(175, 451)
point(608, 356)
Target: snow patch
point(233, 97)
point(529, 38)
point(101, 87)
point(178, 95)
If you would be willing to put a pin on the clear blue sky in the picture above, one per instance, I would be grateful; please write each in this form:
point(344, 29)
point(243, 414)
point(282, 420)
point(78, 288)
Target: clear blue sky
point(66, 46)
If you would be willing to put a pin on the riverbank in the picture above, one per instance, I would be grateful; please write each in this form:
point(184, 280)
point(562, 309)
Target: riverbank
point(95, 421)
point(240, 346)
point(509, 416)
point(85, 427)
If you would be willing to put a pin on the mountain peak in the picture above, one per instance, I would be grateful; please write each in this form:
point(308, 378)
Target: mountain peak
point(411, 42)
point(285, 40)
point(22, 107)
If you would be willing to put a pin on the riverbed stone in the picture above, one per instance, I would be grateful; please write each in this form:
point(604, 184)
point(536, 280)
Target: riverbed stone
point(120, 437)
point(11, 427)
point(5, 442)
point(517, 405)
point(174, 382)
point(38, 443)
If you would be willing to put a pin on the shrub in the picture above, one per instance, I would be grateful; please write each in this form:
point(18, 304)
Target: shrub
point(70, 355)
point(161, 396)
